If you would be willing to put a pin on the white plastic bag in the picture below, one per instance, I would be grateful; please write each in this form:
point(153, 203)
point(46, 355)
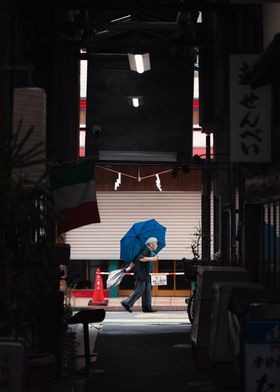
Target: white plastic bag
point(114, 278)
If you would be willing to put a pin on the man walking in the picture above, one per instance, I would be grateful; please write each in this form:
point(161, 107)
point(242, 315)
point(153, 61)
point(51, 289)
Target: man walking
point(142, 265)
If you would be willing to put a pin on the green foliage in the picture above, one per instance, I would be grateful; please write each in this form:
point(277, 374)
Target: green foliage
point(68, 299)
point(26, 216)
point(24, 204)
point(196, 242)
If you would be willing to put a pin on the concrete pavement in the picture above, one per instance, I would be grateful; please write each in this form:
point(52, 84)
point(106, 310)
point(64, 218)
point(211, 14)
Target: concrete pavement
point(159, 317)
point(114, 304)
point(143, 351)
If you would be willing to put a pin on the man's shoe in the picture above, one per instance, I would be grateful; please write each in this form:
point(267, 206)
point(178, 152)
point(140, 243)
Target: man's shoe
point(149, 310)
point(127, 308)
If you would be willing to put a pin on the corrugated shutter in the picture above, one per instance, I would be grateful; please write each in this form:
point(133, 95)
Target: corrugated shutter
point(180, 212)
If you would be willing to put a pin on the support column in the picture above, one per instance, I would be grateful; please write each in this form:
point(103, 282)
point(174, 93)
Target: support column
point(66, 104)
point(57, 70)
point(113, 265)
point(6, 87)
point(206, 205)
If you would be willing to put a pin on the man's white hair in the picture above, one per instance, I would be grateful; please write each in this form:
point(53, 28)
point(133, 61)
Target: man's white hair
point(150, 240)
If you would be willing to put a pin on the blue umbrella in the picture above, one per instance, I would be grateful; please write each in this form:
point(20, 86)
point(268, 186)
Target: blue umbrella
point(137, 235)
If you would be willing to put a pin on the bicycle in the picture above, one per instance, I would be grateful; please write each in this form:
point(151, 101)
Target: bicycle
point(190, 270)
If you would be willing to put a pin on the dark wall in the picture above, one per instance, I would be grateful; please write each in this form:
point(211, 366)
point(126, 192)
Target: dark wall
point(31, 39)
point(233, 29)
point(253, 241)
point(5, 66)
point(163, 123)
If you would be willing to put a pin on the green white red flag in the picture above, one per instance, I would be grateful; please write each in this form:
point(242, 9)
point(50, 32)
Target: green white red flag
point(74, 195)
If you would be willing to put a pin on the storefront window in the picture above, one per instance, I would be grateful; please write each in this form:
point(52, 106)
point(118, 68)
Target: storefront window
point(81, 273)
point(167, 266)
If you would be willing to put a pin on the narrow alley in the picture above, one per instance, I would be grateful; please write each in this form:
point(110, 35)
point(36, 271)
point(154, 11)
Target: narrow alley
point(139, 352)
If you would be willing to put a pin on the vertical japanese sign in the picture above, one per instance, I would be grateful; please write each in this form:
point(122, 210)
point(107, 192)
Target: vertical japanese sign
point(262, 356)
point(250, 123)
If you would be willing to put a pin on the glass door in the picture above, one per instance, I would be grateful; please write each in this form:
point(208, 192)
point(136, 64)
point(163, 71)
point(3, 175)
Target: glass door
point(177, 286)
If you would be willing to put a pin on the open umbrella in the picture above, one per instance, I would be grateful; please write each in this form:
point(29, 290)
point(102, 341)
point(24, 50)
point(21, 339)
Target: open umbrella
point(137, 235)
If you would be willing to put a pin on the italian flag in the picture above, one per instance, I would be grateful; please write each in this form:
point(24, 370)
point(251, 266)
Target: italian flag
point(74, 195)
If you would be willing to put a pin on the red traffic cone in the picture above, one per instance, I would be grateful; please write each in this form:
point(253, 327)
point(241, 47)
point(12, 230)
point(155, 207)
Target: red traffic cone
point(98, 292)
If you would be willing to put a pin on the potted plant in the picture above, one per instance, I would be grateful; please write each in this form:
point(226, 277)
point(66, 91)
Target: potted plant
point(19, 216)
point(196, 243)
point(69, 299)
point(30, 301)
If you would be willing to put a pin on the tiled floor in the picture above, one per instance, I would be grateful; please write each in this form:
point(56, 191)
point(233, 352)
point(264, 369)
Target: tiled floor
point(158, 303)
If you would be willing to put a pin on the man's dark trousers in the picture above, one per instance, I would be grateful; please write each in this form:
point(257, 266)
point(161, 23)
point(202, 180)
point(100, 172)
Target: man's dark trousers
point(143, 289)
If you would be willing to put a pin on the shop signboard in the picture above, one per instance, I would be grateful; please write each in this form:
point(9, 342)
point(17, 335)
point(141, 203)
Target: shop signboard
point(261, 356)
point(250, 122)
point(159, 279)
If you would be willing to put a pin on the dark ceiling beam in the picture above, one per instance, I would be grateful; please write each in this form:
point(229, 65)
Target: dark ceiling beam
point(131, 26)
point(113, 46)
point(148, 5)
point(121, 5)
point(121, 56)
point(266, 67)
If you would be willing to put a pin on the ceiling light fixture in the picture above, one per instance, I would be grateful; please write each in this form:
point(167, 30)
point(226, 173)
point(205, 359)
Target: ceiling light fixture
point(136, 101)
point(122, 19)
point(139, 62)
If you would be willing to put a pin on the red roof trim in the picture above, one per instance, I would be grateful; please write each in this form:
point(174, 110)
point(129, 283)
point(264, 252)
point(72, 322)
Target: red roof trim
point(202, 151)
point(82, 152)
point(83, 103)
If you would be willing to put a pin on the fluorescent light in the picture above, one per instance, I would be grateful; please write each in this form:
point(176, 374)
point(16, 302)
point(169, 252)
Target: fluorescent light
point(139, 62)
point(122, 18)
point(136, 101)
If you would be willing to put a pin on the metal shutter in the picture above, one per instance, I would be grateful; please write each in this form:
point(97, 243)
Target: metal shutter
point(180, 212)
